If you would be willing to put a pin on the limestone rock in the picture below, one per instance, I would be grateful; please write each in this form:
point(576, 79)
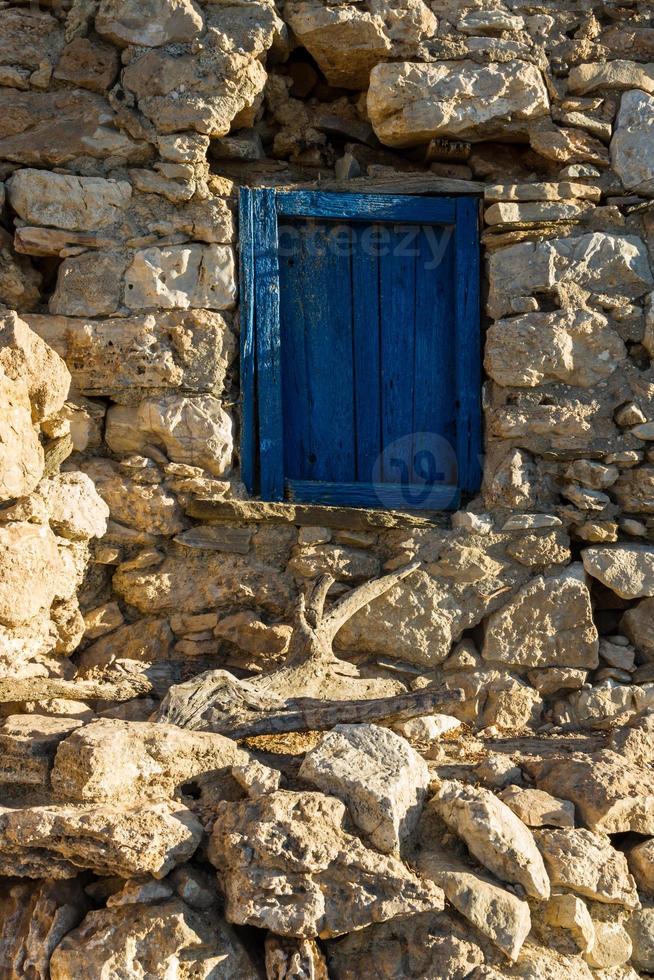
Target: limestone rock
point(409, 104)
point(569, 913)
point(74, 509)
point(575, 347)
point(193, 430)
point(144, 642)
point(345, 564)
point(58, 841)
point(34, 918)
point(145, 507)
point(89, 284)
point(420, 624)
point(88, 63)
point(604, 707)
point(25, 357)
point(631, 144)
point(493, 910)
point(31, 571)
point(538, 809)
point(587, 864)
point(549, 623)
point(346, 41)
point(191, 584)
point(181, 277)
point(634, 491)
point(67, 201)
point(206, 89)
point(640, 859)
point(494, 835)
point(628, 570)
point(377, 774)
point(150, 942)
point(597, 262)
point(611, 945)
point(188, 350)
point(640, 926)
point(148, 24)
point(51, 128)
point(638, 624)
point(413, 948)
point(30, 38)
point(21, 453)
point(616, 74)
point(611, 794)
point(20, 282)
point(339, 884)
point(111, 761)
point(27, 747)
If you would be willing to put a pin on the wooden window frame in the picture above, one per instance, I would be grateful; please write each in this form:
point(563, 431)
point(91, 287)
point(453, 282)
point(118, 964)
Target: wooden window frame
point(262, 423)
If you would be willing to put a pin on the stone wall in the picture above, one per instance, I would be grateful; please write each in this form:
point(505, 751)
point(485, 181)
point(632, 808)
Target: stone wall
point(132, 560)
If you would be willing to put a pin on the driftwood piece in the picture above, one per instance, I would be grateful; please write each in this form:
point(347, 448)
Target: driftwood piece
point(51, 688)
point(314, 690)
point(218, 702)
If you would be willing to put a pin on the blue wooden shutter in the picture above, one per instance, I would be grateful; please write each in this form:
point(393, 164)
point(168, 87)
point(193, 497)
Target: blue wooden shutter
point(360, 348)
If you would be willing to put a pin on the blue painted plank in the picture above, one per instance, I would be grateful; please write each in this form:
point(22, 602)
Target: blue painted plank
point(266, 285)
point(366, 207)
point(296, 316)
point(434, 383)
point(319, 428)
point(397, 341)
point(366, 353)
point(247, 342)
point(388, 496)
point(468, 344)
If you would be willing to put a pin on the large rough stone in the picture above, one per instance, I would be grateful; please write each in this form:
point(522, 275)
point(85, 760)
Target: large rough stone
point(345, 564)
point(147, 641)
point(51, 128)
point(187, 350)
point(628, 570)
point(34, 918)
point(377, 774)
point(28, 744)
point(193, 430)
point(89, 284)
point(640, 859)
point(31, 38)
point(549, 623)
point(142, 506)
point(418, 947)
point(59, 841)
point(597, 262)
point(206, 89)
point(127, 761)
point(638, 624)
point(190, 583)
point(586, 863)
point(20, 282)
point(75, 511)
point(420, 624)
point(346, 41)
point(88, 63)
point(181, 277)
point(150, 941)
point(67, 201)
point(576, 347)
point(294, 843)
point(640, 926)
point(611, 794)
point(148, 23)
point(537, 808)
point(21, 453)
point(493, 910)
point(31, 571)
point(634, 490)
point(493, 834)
point(618, 74)
point(409, 104)
point(631, 146)
point(25, 357)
